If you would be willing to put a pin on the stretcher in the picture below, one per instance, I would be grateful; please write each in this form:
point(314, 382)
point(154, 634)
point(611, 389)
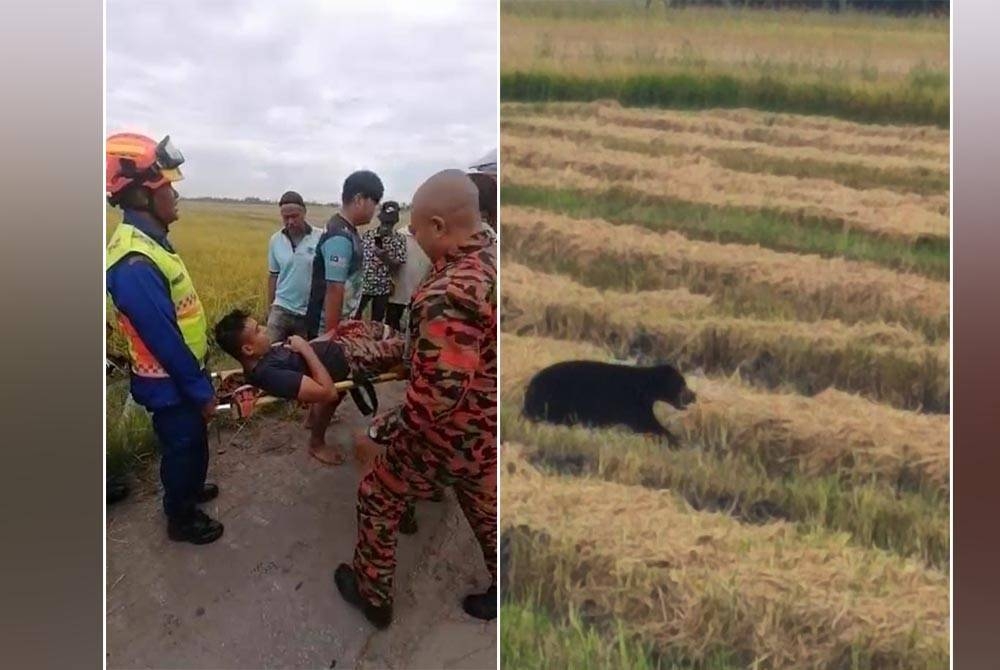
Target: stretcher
point(241, 400)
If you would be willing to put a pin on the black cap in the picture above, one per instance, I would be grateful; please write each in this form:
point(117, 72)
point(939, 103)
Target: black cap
point(291, 198)
point(389, 211)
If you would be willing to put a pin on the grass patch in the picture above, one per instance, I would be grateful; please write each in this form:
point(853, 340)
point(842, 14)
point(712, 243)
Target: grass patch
point(910, 104)
point(697, 14)
point(131, 443)
point(770, 229)
point(530, 638)
point(909, 180)
point(855, 65)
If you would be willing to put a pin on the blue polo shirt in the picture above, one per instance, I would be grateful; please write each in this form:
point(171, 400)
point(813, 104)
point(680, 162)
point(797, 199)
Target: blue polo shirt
point(292, 264)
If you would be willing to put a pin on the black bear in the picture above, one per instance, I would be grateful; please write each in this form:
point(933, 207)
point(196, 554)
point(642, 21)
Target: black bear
point(595, 394)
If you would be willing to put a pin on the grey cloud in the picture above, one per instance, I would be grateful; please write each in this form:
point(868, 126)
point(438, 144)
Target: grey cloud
point(264, 96)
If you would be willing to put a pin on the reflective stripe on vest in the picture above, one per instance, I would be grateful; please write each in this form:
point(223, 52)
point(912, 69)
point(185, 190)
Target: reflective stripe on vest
point(188, 308)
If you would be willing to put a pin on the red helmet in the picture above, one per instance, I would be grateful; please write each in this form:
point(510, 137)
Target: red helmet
point(132, 158)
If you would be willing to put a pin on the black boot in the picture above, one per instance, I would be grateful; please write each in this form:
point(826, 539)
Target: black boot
point(116, 490)
point(482, 605)
point(209, 492)
point(408, 524)
point(347, 584)
point(198, 528)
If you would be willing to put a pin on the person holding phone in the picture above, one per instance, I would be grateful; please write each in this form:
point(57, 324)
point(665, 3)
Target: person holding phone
point(384, 253)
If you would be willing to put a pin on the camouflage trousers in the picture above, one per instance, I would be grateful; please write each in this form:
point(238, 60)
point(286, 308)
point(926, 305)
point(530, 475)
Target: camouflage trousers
point(395, 482)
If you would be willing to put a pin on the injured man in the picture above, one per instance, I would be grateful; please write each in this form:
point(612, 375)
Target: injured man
point(307, 371)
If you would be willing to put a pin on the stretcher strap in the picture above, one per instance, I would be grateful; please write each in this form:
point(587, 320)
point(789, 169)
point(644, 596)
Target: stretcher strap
point(363, 386)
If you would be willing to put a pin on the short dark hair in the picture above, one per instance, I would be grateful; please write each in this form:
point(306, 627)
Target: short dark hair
point(364, 183)
point(291, 198)
point(135, 196)
point(229, 332)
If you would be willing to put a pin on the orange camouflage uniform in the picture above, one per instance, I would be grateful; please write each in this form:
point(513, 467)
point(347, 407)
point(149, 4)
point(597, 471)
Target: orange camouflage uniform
point(369, 346)
point(444, 433)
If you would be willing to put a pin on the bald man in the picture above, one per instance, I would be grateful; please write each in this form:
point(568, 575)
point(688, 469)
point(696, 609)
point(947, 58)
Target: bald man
point(444, 433)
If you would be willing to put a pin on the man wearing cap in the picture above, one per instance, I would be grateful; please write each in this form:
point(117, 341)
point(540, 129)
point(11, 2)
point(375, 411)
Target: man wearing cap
point(164, 325)
point(290, 255)
point(338, 267)
point(384, 252)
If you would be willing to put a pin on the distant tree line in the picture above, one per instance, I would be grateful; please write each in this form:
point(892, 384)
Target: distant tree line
point(254, 200)
point(940, 7)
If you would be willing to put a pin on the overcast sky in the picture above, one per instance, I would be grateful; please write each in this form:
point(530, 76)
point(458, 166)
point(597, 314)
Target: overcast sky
point(262, 96)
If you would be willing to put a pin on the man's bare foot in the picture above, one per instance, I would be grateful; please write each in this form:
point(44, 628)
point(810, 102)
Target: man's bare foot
point(326, 454)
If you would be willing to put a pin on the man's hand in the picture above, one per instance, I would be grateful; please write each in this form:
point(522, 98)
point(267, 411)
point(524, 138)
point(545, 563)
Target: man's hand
point(365, 452)
point(402, 371)
point(208, 410)
point(297, 344)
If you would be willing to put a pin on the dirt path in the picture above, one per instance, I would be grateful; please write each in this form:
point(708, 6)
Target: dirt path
point(263, 596)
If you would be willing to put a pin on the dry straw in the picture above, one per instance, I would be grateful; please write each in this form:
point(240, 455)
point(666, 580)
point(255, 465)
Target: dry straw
point(598, 131)
point(745, 276)
point(546, 161)
point(885, 362)
point(693, 583)
point(832, 433)
point(920, 143)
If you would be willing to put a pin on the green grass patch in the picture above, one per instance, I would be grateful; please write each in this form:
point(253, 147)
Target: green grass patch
point(131, 443)
point(531, 638)
point(698, 13)
point(771, 229)
point(907, 180)
point(910, 103)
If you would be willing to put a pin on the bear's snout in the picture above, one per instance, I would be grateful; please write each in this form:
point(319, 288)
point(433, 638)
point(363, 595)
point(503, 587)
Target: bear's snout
point(685, 398)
